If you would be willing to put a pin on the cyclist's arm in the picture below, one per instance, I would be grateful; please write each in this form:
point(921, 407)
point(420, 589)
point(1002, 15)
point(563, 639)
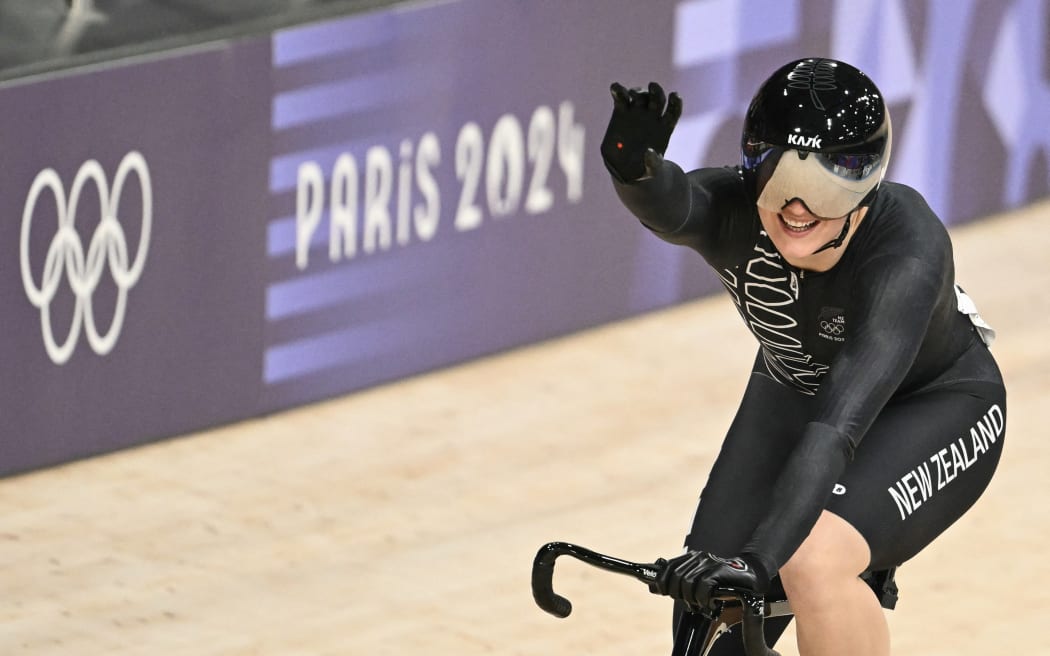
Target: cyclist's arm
point(699, 209)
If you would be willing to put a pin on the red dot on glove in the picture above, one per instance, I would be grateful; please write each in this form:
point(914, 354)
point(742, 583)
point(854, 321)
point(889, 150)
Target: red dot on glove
point(619, 145)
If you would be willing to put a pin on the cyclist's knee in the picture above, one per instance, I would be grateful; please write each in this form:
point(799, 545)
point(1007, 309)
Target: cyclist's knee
point(833, 554)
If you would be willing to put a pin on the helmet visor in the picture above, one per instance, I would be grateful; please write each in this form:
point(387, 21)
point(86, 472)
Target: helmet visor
point(830, 184)
point(850, 167)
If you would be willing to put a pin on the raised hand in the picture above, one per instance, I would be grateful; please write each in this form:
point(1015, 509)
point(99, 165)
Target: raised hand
point(639, 130)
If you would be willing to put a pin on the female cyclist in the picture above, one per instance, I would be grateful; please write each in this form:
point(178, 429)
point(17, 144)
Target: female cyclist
point(874, 416)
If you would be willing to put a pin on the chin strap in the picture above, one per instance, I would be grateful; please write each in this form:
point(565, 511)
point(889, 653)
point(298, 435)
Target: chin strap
point(837, 241)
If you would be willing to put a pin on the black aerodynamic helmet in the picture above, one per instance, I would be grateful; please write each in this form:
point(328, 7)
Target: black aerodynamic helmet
point(817, 130)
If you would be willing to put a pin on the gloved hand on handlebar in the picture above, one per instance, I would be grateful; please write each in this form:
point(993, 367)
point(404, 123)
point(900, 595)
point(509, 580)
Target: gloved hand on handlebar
point(639, 130)
point(694, 576)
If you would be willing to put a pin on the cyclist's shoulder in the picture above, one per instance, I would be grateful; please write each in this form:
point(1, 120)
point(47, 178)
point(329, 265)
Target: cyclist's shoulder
point(904, 209)
point(901, 224)
point(723, 219)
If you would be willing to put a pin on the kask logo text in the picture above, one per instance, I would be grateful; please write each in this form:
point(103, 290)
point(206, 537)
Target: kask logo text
point(107, 249)
point(804, 142)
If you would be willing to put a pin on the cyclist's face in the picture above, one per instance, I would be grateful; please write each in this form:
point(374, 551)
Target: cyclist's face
point(797, 234)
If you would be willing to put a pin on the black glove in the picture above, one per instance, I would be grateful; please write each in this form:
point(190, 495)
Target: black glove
point(694, 576)
point(639, 130)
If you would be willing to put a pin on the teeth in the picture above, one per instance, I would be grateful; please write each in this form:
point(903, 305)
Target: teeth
point(797, 225)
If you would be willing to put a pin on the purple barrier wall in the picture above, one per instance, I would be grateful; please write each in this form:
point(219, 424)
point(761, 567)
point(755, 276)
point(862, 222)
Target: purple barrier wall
point(145, 324)
point(230, 230)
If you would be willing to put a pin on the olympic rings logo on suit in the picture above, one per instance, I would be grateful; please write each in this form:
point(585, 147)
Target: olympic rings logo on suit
point(832, 328)
point(65, 255)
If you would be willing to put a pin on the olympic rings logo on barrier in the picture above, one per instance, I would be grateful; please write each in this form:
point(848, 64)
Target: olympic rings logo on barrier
point(65, 255)
point(832, 328)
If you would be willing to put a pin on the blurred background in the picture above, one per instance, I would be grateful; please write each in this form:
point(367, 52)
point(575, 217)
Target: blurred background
point(301, 199)
point(44, 34)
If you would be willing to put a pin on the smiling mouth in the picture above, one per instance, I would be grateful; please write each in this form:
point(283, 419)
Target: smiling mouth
point(797, 226)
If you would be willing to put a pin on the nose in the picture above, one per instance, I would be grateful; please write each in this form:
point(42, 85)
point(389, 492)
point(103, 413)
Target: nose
point(795, 207)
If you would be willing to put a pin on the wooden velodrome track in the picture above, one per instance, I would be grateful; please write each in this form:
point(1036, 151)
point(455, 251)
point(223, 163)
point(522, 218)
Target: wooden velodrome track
point(404, 519)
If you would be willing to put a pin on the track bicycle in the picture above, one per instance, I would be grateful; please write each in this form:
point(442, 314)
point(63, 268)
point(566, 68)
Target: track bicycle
point(697, 630)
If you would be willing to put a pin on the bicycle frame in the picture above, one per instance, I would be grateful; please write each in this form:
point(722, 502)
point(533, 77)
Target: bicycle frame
point(697, 631)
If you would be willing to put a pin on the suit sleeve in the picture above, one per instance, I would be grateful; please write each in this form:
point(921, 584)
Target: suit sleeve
point(704, 210)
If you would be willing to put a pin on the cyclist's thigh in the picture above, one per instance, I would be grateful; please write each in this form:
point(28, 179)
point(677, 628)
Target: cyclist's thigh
point(736, 495)
point(922, 464)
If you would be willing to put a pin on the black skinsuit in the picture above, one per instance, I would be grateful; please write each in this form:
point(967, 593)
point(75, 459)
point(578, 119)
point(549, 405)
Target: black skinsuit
point(872, 395)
